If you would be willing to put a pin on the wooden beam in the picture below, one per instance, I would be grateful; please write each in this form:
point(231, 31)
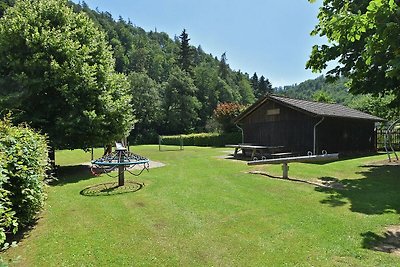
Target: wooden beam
point(313, 158)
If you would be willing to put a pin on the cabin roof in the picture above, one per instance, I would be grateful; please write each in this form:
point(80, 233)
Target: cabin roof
point(317, 109)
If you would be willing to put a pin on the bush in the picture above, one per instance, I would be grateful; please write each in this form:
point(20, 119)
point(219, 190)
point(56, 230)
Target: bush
point(204, 139)
point(23, 165)
point(225, 113)
point(8, 221)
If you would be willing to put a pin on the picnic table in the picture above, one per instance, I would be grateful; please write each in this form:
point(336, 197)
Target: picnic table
point(254, 149)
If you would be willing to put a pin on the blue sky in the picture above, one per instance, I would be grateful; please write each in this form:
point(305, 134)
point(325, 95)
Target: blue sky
point(270, 37)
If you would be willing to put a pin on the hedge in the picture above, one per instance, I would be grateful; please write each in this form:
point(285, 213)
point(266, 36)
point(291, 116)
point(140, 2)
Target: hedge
point(203, 139)
point(23, 165)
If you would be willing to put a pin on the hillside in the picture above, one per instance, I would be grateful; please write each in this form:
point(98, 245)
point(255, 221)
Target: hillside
point(378, 105)
point(175, 86)
point(306, 90)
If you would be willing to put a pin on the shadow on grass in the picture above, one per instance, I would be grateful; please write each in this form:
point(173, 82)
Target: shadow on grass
point(389, 242)
point(109, 189)
point(376, 193)
point(22, 233)
point(71, 174)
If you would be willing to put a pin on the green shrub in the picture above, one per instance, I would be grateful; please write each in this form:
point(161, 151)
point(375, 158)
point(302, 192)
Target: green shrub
point(203, 139)
point(8, 222)
point(23, 165)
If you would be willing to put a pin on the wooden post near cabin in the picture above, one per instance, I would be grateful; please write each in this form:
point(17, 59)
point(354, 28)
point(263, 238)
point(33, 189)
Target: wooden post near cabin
point(285, 169)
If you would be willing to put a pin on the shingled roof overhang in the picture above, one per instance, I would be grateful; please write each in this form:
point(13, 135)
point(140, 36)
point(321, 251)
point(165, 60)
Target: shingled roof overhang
point(315, 109)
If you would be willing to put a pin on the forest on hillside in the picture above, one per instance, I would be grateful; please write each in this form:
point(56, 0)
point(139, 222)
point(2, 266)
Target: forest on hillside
point(175, 86)
point(336, 91)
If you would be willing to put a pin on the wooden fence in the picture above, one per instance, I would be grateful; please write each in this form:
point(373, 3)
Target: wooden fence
point(380, 139)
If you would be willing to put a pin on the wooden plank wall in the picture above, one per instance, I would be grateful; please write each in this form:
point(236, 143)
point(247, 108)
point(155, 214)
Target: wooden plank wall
point(289, 128)
point(295, 131)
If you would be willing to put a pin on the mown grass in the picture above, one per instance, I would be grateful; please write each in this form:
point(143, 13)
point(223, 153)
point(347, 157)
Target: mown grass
point(201, 210)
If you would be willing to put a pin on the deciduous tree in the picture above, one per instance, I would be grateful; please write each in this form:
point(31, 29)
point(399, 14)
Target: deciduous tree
point(322, 96)
point(146, 102)
point(364, 38)
point(57, 73)
point(224, 114)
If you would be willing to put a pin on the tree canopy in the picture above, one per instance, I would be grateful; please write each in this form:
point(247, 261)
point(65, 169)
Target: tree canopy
point(57, 73)
point(149, 59)
point(364, 38)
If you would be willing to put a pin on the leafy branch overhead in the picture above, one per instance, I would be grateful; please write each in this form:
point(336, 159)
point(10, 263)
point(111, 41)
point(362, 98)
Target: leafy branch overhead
point(364, 38)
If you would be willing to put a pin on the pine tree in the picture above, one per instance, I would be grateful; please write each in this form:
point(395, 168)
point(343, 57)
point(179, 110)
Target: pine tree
point(264, 87)
point(223, 67)
point(254, 83)
point(185, 54)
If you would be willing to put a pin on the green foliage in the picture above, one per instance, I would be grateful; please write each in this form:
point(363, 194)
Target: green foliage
point(337, 92)
point(380, 106)
point(146, 102)
point(185, 58)
point(23, 164)
point(8, 222)
point(204, 139)
point(305, 90)
point(364, 38)
point(261, 86)
point(223, 67)
point(157, 55)
point(264, 87)
point(322, 96)
point(57, 70)
point(225, 113)
point(180, 103)
point(4, 4)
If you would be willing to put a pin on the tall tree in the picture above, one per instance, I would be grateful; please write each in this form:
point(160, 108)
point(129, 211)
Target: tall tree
point(180, 103)
point(223, 67)
point(206, 80)
point(146, 102)
point(364, 37)
point(264, 87)
point(57, 71)
point(185, 53)
point(254, 83)
point(245, 90)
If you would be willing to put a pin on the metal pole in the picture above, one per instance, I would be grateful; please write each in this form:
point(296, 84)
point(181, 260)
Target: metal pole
point(241, 131)
point(315, 135)
point(121, 178)
point(121, 169)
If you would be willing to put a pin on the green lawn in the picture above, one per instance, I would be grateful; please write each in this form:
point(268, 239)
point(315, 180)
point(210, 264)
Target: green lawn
point(201, 210)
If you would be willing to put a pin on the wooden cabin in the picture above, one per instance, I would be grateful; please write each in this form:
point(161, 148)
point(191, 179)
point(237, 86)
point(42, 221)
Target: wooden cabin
point(301, 126)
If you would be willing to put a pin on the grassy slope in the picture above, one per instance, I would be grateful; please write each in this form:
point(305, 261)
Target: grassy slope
point(201, 210)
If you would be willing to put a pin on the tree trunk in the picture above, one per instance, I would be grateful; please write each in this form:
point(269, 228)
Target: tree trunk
point(107, 149)
point(52, 162)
